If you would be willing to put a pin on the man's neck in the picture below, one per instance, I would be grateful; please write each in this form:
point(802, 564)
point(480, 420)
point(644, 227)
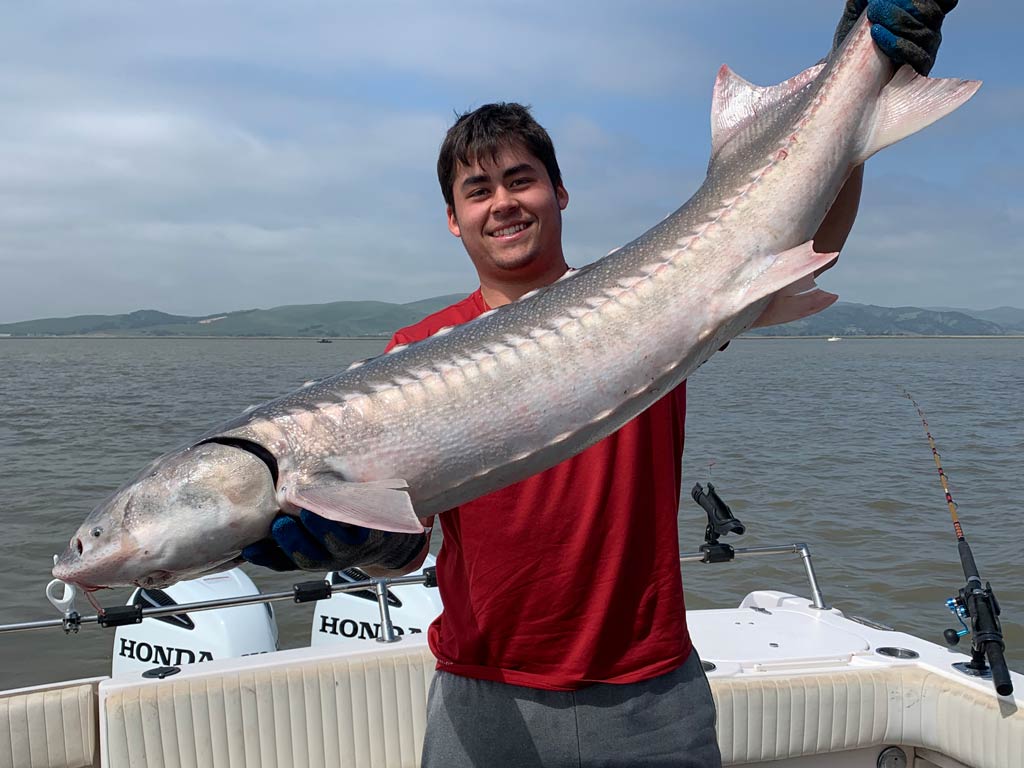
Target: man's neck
point(497, 293)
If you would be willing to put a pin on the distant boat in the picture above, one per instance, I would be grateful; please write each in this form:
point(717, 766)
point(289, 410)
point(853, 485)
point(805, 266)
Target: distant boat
point(325, 341)
point(834, 338)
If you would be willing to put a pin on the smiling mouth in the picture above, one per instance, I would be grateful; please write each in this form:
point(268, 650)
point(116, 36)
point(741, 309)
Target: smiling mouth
point(509, 231)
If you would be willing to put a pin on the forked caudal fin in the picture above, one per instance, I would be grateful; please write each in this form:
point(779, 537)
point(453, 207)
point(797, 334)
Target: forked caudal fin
point(381, 504)
point(910, 102)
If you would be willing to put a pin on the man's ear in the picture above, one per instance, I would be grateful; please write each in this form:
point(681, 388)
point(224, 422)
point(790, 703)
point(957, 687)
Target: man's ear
point(453, 222)
point(562, 196)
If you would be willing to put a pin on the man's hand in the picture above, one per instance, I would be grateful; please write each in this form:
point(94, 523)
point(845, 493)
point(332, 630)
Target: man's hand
point(313, 543)
point(907, 31)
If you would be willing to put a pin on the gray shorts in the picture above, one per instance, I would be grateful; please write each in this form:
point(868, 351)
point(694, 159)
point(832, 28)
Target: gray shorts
point(665, 721)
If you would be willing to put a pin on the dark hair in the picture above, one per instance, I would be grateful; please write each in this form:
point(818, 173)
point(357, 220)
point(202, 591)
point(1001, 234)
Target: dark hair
point(485, 131)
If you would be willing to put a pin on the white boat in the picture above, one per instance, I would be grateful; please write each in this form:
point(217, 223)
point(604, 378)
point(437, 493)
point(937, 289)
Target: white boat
point(796, 684)
point(834, 338)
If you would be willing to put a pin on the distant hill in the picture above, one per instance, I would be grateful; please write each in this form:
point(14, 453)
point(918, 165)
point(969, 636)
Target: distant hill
point(848, 319)
point(132, 323)
point(1010, 318)
point(380, 318)
point(340, 318)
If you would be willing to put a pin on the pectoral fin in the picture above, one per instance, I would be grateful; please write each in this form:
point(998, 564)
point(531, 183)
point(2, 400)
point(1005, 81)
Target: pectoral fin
point(381, 504)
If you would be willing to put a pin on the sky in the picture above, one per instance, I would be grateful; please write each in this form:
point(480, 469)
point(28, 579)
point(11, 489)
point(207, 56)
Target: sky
point(200, 157)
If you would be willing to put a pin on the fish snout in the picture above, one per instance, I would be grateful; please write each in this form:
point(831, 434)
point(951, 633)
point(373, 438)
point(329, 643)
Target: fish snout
point(66, 565)
point(83, 558)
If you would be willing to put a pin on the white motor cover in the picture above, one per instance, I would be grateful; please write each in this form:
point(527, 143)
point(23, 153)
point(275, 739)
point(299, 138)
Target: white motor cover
point(348, 616)
point(216, 634)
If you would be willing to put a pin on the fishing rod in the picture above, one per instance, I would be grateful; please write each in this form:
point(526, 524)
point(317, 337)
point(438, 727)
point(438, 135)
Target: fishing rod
point(973, 601)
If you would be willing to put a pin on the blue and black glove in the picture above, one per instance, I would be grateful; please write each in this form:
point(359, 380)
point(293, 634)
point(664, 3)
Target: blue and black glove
point(907, 31)
point(313, 543)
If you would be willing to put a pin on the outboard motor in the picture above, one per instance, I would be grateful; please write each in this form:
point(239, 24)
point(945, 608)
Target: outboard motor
point(188, 638)
point(350, 616)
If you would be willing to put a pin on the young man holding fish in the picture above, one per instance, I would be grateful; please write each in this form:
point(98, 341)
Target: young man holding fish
point(563, 638)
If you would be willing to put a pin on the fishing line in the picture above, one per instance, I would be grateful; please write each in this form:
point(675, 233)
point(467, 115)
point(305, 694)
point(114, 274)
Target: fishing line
point(938, 465)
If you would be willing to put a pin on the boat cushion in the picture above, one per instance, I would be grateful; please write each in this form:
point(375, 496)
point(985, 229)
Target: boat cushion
point(367, 708)
point(50, 726)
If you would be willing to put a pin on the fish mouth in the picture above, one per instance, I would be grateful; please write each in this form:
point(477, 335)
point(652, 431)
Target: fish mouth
point(85, 586)
point(65, 571)
point(68, 576)
point(155, 580)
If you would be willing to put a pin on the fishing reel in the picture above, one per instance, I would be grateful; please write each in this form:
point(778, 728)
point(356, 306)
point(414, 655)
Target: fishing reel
point(720, 522)
point(981, 607)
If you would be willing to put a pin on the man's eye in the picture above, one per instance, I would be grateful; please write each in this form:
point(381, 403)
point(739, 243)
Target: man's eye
point(520, 182)
point(477, 193)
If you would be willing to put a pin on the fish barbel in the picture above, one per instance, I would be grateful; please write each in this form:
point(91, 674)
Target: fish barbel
point(477, 407)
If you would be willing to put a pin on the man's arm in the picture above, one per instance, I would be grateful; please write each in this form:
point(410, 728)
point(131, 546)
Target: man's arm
point(835, 228)
point(908, 32)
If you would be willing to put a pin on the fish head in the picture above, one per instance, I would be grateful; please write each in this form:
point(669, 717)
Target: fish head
point(189, 512)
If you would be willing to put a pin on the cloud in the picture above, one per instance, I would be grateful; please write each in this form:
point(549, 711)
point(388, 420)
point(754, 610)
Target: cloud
point(922, 244)
point(211, 156)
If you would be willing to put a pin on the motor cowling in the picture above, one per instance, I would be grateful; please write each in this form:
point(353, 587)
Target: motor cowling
point(348, 616)
point(191, 638)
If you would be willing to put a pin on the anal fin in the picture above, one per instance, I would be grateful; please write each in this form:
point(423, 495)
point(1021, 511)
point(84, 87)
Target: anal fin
point(790, 277)
point(786, 307)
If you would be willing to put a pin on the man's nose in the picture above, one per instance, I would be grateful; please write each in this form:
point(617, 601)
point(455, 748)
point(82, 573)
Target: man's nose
point(503, 201)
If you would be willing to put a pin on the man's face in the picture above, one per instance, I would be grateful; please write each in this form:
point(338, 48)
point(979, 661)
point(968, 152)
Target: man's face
point(508, 215)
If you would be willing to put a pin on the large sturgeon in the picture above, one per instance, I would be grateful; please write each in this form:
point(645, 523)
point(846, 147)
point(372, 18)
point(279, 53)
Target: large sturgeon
point(474, 408)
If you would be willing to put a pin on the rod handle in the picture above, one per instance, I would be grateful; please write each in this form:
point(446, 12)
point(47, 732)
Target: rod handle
point(1000, 672)
point(967, 561)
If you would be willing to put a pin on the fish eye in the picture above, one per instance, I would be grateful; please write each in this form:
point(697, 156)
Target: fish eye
point(96, 532)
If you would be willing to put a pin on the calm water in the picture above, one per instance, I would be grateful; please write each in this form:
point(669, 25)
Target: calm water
point(807, 440)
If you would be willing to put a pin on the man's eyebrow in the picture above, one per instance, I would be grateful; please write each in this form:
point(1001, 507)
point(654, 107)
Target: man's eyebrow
point(482, 178)
point(517, 169)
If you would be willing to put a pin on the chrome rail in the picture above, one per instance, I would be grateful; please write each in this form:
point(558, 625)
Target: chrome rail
point(300, 593)
point(319, 590)
point(786, 549)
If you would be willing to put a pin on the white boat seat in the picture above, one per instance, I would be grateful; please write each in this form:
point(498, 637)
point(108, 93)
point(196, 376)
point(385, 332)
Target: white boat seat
point(367, 708)
point(50, 726)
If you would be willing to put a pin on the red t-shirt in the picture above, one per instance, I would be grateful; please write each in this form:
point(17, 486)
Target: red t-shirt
point(570, 577)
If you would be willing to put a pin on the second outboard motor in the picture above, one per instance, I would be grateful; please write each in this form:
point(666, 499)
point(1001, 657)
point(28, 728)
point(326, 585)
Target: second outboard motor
point(348, 616)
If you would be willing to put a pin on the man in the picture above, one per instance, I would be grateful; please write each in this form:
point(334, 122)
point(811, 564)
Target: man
point(563, 639)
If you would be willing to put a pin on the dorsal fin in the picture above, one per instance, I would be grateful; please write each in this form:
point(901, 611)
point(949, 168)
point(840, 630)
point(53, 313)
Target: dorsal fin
point(736, 102)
